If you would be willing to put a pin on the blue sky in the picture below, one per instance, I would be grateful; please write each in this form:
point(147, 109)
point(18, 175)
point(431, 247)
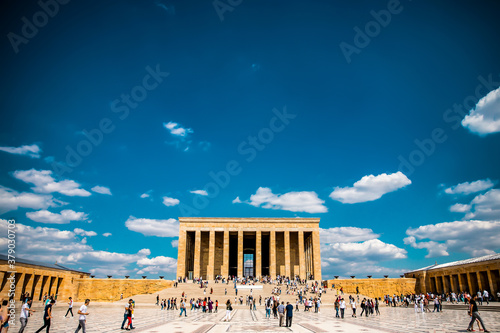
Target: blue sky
point(382, 118)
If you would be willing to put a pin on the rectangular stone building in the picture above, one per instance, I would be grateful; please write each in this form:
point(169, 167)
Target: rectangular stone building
point(250, 247)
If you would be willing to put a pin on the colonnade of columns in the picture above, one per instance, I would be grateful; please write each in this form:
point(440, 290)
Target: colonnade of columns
point(471, 281)
point(302, 258)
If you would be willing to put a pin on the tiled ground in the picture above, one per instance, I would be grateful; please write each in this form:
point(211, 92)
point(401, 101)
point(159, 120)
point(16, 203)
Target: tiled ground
point(108, 318)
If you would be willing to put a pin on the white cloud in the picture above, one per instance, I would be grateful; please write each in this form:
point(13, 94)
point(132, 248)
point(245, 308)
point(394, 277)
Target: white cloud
point(152, 227)
point(460, 208)
point(434, 249)
point(199, 192)
point(373, 249)
point(101, 190)
point(170, 201)
point(157, 265)
point(370, 188)
point(12, 200)
point(176, 129)
point(468, 188)
point(107, 234)
point(82, 232)
point(237, 200)
point(473, 237)
point(292, 201)
point(65, 216)
point(486, 206)
point(45, 183)
point(175, 243)
point(346, 235)
point(485, 117)
point(145, 195)
point(32, 151)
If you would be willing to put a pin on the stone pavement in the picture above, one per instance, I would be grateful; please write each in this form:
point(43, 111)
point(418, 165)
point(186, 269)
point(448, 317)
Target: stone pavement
point(105, 317)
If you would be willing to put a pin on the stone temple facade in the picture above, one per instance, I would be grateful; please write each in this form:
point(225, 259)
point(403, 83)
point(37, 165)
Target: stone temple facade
point(249, 247)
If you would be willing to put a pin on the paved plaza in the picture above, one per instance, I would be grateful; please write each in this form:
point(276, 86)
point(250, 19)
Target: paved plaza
point(149, 318)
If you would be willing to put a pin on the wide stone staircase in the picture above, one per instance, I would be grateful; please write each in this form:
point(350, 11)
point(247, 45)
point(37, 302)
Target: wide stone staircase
point(192, 290)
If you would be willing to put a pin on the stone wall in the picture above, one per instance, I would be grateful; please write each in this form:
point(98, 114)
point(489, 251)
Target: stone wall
point(375, 287)
point(108, 290)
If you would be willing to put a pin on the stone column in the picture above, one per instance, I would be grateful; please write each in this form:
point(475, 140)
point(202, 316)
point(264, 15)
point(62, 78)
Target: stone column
point(287, 253)
point(225, 261)
point(316, 255)
point(272, 254)
point(240, 253)
point(197, 254)
point(479, 282)
point(211, 256)
point(460, 283)
point(492, 290)
point(302, 259)
point(258, 254)
point(470, 284)
point(181, 254)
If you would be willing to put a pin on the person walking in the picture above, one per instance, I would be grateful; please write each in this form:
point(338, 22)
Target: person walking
point(127, 316)
point(342, 308)
point(25, 313)
point(353, 306)
point(474, 313)
point(281, 312)
point(183, 307)
point(229, 308)
point(83, 317)
point(47, 315)
point(70, 308)
point(289, 314)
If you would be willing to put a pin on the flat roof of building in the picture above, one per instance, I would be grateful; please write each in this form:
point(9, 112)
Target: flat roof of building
point(459, 262)
point(250, 219)
point(42, 264)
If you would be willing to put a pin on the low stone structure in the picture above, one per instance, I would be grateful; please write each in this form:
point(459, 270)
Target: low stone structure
point(472, 275)
point(38, 279)
point(375, 287)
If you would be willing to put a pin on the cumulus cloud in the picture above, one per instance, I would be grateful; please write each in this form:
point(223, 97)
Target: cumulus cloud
point(176, 129)
point(434, 249)
point(152, 227)
point(32, 151)
point(64, 217)
point(101, 190)
point(237, 200)
point(472, 187)
point(170, 201)
point(157, 265)
point(346, 235)
point(370, 188)
point(107, 234)
point(485, 206)
point(145, 195)
point(12, 200)
point(199, 192)
point(485, 117)
point(45, 183)
point(304, 201)
point(85, 233)
point(460, 208)
point(175, 243)
point(473, 237)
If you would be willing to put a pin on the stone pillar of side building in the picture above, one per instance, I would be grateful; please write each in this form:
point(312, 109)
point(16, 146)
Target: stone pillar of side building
point(287, 253)
point(181, 255)
point(211, 256)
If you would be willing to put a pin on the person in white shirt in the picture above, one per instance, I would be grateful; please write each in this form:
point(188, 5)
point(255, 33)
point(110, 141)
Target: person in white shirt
point(353, 305)
point(83, 317)
point(70, 308)
point(342, 308)
point(25, 311)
